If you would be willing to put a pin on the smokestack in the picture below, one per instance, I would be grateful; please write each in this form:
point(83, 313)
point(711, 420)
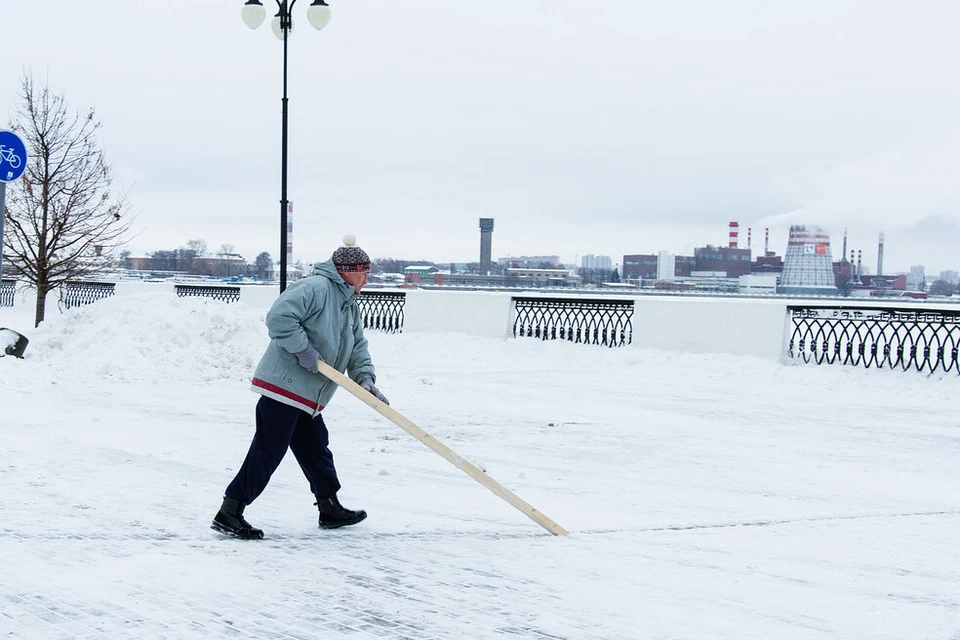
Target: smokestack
point(486, 242)
point(880, 256)
point(734, 235)
point(749, 230)
point(859, 264)
point(766, 241)
point(844, 254)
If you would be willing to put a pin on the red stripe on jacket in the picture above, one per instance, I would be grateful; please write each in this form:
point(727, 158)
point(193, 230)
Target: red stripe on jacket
point(272, 388)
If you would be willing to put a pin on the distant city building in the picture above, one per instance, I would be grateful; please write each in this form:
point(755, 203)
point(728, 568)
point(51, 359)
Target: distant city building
point(917, 279)
point(666, 266)
point(767, 264)
point(731, 261)
point(949, 276)
point(591, 261)
point(878, 284)
point(684, 266)
point(473, 280)
point(422, 273)
point(639, 266)
point(293, 273)
point(758, 283)
point(529, 262)
point(843, 275)
point(541, 277)
point(226, 265)
point(519, 278)
point(808, 266)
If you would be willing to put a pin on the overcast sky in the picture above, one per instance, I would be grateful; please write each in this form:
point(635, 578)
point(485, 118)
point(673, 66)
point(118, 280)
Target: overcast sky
point(605, 128)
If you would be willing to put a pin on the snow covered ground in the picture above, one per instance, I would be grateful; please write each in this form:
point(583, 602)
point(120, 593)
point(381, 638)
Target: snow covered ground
point(706, 496)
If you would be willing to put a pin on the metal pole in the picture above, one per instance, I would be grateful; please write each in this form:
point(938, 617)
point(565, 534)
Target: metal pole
point(285, 27)
point(3, 215)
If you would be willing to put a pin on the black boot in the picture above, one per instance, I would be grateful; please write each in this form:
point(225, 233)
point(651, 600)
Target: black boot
point(229, 520)
point(333, 514)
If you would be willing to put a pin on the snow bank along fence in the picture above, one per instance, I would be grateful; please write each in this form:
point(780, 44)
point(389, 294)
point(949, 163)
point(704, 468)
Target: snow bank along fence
point(74, 293)
point(7, 290)
point(921, 336)
point(217, 292)
point(588, 321)
point(382, 310)
point(896, 337)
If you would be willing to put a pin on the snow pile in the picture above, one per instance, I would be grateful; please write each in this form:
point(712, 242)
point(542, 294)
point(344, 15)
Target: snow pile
point(775, 501)
point(149, 336)
point(8, 339)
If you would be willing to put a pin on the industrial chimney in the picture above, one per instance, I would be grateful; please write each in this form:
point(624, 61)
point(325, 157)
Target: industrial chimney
point(734, 235)
point(749, 230)
point(880, 256)
point(766, 241)
point(486, 242)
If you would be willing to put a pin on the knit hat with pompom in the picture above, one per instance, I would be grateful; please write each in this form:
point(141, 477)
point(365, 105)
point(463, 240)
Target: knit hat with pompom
point(350, 257)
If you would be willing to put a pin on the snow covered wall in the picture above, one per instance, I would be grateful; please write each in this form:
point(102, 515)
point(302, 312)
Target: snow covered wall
point(738, 326)
point(689, 324)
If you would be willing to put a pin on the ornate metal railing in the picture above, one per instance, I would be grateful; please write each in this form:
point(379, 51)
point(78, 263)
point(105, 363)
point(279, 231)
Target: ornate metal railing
point(7, 290)
point(382, 310)
point(75, 293)
point(605, 322)
point(898, 338)
point(217, 292)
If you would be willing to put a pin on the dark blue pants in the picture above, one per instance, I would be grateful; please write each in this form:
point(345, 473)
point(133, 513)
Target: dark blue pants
point(280, 426)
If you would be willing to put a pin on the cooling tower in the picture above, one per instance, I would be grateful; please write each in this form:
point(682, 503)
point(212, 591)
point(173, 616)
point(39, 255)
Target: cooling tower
point(808, 265)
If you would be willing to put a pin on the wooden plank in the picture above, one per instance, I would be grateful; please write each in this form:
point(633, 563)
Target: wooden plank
point(443, 450)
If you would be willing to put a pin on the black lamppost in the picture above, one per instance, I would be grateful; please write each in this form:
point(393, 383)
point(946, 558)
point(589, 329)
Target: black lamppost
point(253, 12)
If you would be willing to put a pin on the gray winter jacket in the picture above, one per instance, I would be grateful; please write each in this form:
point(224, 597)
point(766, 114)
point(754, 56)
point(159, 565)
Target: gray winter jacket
point(320, 310)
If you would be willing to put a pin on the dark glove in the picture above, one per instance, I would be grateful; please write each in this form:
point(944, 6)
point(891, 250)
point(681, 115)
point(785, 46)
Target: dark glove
point(367, 383)
point(308, 359)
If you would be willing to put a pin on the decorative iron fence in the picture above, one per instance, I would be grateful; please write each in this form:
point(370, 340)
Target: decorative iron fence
point(921, 339)
point(7, 290)
point(382, 310)
point(217, 292)
point(75, 293)
point(605, 322)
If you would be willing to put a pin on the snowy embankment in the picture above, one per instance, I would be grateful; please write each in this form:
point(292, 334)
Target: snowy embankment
point(706, 496)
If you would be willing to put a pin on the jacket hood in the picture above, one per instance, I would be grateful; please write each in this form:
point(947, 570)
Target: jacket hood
point(329, 271)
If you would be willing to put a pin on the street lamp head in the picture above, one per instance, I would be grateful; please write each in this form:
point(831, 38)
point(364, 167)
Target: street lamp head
point(318, 13)
point(277, 25)
point(253, 13)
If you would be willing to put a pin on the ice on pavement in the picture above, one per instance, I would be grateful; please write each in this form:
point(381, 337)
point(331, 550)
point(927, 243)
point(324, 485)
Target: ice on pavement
point(706, 496)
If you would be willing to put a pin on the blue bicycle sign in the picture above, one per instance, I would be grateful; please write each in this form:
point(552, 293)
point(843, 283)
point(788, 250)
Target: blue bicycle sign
point(13, 156)
point(10, 156)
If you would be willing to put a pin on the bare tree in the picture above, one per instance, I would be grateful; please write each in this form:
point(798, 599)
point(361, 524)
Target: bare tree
point(942, 288)
point(264, 264)
point(198, 246)
point(63, 223)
